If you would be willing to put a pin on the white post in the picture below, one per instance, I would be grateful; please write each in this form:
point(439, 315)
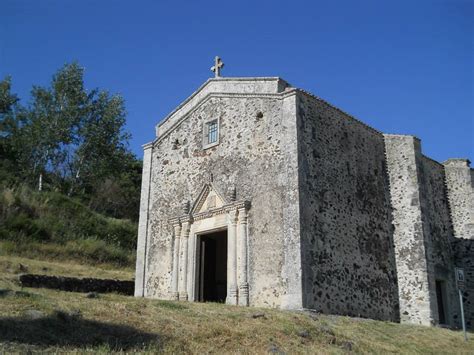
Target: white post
point(183, 272)
point(462, 314)
point(231, 258)
point(174, 285)
point(243, 286)
point(40, 182)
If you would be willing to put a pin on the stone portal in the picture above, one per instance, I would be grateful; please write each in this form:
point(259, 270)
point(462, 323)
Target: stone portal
point(210, 250)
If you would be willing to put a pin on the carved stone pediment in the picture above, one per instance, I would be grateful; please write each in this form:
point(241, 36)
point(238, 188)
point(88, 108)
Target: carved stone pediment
point(210, 202)
point(209, 198)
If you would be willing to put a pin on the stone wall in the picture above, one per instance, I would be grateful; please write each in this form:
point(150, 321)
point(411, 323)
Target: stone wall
point(460, 184)
point(257, 156)
point(403, 157)
point(423, 232)
point(347, 247)
point(460, 191)
point(439, 233)
point(464, 256)
point(74, 284)
point(213, 86)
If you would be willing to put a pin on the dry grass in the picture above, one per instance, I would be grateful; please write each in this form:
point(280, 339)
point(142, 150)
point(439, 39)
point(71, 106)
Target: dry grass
point(72, 322)
point(10, 266)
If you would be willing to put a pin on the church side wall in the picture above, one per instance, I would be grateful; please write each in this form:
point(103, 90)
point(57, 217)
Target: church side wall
point(347, 247)
point(464, 258)
point(439, 234)
point(257, 156)
point(460, 186)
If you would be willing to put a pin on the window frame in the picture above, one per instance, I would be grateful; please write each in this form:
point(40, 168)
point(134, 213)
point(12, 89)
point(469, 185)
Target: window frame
point(205, 136)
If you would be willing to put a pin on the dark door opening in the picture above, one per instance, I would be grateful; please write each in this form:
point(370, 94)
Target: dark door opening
point(212, 267)
point(441, 298)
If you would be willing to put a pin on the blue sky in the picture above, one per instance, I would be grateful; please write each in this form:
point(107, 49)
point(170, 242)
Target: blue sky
point(403, 67)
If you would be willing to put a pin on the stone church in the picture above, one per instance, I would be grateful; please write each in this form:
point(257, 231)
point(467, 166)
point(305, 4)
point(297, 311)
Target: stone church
point(257, 193)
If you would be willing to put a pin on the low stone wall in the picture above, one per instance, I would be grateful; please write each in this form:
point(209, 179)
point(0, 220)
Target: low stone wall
point(77, 284)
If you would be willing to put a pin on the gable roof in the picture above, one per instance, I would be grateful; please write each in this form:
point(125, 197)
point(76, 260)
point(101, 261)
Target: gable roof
point(263, 85)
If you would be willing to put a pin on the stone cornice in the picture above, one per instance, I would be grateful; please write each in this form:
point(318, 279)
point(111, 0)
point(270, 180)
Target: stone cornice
point(147, 145)
point(401, 136)
point(461, 162)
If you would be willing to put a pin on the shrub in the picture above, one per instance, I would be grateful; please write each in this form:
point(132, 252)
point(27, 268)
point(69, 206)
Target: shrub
point(22, 226)
point(86, 251)
point(58, 226)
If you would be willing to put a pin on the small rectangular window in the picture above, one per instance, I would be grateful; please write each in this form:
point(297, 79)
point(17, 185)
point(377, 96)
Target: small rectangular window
point(212, 132)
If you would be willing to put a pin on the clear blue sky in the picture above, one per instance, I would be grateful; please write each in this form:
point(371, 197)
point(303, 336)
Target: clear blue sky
point(401, 66)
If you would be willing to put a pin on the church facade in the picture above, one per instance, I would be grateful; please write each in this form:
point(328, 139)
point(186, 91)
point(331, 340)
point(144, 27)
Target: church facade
point(257, 193)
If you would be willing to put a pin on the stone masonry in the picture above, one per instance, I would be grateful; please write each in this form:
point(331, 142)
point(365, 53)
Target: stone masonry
point(318, 209)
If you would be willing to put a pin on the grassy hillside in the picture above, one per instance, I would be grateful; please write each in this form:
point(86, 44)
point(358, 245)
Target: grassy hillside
point(50, 225)
point(15, 265)
point(56, 321)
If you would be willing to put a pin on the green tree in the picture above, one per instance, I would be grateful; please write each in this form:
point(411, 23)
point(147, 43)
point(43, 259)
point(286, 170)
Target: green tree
point(7, 99)
point(9, 115)
point(101, 142)
point(74, 140)
point(119, 195)
point(54, 114)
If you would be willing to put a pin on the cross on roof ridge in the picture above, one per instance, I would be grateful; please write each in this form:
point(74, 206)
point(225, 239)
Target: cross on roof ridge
point(218, 65)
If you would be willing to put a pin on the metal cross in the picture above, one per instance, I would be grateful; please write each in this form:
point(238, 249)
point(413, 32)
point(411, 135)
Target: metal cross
point(218, 65)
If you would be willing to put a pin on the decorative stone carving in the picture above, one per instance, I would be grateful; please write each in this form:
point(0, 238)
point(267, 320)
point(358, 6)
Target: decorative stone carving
point(211, 205)
point(232, 194)
point(183, 269)
point(232, 258)
point(208, 199)
point(186, 207)
point(242, 236)
point(174, 285)
point(211, 202)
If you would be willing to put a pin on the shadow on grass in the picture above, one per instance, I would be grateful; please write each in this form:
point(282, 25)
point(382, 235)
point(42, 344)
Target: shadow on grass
point(63, 329)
